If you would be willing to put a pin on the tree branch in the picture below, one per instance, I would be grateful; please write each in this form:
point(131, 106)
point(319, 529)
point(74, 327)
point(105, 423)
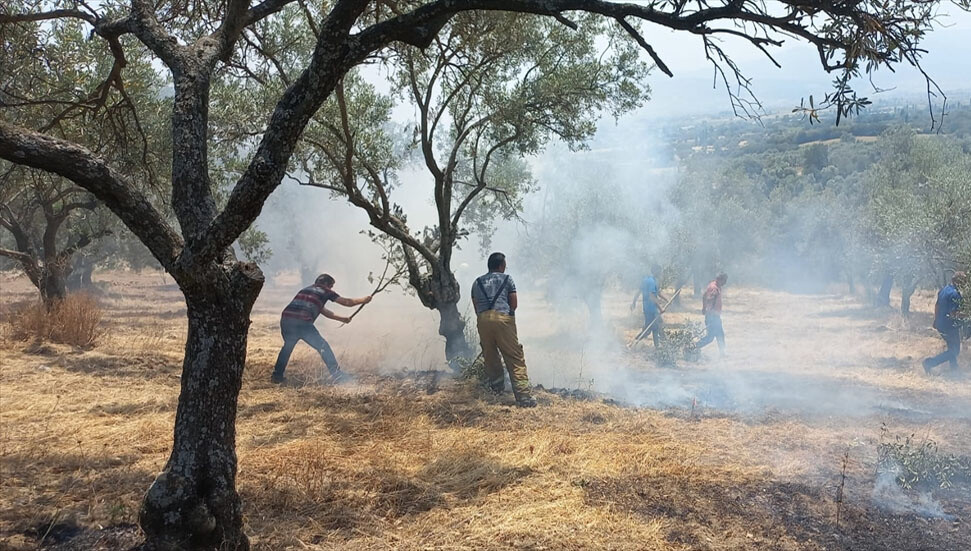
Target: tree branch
point(82, 241)
point(643, 44)
point(26, 147)
point(16, 255)
point(330, 61)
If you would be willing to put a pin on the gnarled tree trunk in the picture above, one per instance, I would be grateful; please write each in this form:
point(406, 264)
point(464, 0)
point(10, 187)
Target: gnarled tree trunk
point(81, 272)
point(452, 327)
point(883, 295)
point(52, 285)
point(440, 291)
point(594, 310)
point(906, 292)
point(193, 503)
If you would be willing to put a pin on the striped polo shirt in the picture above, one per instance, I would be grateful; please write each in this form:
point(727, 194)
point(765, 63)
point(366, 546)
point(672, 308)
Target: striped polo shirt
point(308, 303)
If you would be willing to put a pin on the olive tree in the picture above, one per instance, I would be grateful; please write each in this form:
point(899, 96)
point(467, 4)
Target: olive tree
point(918, 213)
point(49, 220)
point(491, 89)
point(193, 503)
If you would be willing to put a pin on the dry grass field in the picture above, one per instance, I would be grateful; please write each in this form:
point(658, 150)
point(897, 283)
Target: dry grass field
point(761, 450)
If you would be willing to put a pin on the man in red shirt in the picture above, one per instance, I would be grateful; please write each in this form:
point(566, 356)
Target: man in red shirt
point(297, 323)
point(711, 307)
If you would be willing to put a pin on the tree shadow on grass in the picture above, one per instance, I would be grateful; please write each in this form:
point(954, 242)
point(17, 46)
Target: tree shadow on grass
point(143, 366)
point(764, 515)
point(360, 502)
point(915, 321)
point(858, 313)
point(124, 317)
point(57, 494)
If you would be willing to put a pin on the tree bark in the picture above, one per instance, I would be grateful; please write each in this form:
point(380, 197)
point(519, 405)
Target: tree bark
point(440, 291)
point(883, 296)
point(906, 292)
point(53, 286)
point(81, 272)
point(593, 301)
point(452, 327)
point(193, 503)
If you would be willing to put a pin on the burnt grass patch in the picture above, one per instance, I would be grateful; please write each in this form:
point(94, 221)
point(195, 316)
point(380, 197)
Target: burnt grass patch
point(776, 516)
point(141, 367)
point(445, 414)
point(110, 538)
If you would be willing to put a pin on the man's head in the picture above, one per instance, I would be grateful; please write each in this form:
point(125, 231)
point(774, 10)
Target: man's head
point(721, 278)
point(959, 278)
point(497, 262)
point(324, 281)
point(656, 270)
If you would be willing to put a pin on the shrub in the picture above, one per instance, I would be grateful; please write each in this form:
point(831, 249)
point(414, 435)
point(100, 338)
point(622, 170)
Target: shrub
point(76, 320)
point(920, 463)
point(679, 341)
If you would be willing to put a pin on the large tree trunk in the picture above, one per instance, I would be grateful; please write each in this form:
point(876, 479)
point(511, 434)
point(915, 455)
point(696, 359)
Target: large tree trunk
point(594, 310)
point(440, 291)
point(80, 277)
point(906, 292)
point(193, 503)
point(452, 327)
point(883, 295)
point(52, 286)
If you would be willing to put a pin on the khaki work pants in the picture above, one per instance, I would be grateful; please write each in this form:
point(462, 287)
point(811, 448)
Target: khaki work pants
point(497, 334)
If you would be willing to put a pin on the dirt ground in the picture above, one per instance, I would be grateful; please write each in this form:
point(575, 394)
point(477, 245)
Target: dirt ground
point(773, 447)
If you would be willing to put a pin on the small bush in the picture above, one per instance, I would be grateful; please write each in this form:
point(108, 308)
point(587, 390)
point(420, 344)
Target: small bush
point(920, 463)
point(472, 369)
point(679, 341)
point(76, 320)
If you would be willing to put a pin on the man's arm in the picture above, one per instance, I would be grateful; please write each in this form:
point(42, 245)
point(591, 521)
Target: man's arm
point(660, 297)
point(633, 303)
point(328, 314)
point(513, 301)
point(344, 301)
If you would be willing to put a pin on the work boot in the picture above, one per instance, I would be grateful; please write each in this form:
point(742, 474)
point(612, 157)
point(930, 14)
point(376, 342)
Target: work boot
point(278, 379)
point(338, 377)
point(927, 366)
point(497, 388)
point(526, 402)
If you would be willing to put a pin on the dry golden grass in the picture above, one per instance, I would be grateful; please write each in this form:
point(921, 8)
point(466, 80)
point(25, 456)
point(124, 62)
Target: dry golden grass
point(75, 320)
point(410, 460)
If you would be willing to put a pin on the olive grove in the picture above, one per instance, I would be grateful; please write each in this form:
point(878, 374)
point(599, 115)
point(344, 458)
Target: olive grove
point(193, 503)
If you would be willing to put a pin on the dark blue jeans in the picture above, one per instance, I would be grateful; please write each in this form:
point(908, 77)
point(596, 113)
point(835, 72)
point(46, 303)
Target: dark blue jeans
point(953, 340)
point(649, 316)
point(713, 325)
point(295, 331)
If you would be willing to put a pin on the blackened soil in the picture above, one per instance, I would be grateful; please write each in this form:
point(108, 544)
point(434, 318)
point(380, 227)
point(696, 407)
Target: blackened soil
point(773, 516)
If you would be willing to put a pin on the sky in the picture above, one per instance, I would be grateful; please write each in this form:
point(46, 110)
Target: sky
point(691, 90)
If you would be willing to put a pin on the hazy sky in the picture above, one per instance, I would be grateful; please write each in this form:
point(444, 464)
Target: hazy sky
point(691, 91)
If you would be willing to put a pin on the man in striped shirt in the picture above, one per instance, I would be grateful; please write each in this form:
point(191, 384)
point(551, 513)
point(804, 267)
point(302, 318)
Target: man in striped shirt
point(297, 323)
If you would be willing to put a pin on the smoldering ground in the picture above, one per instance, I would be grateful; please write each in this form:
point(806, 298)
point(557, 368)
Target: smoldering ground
point(814, 358)
point(600, 219)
